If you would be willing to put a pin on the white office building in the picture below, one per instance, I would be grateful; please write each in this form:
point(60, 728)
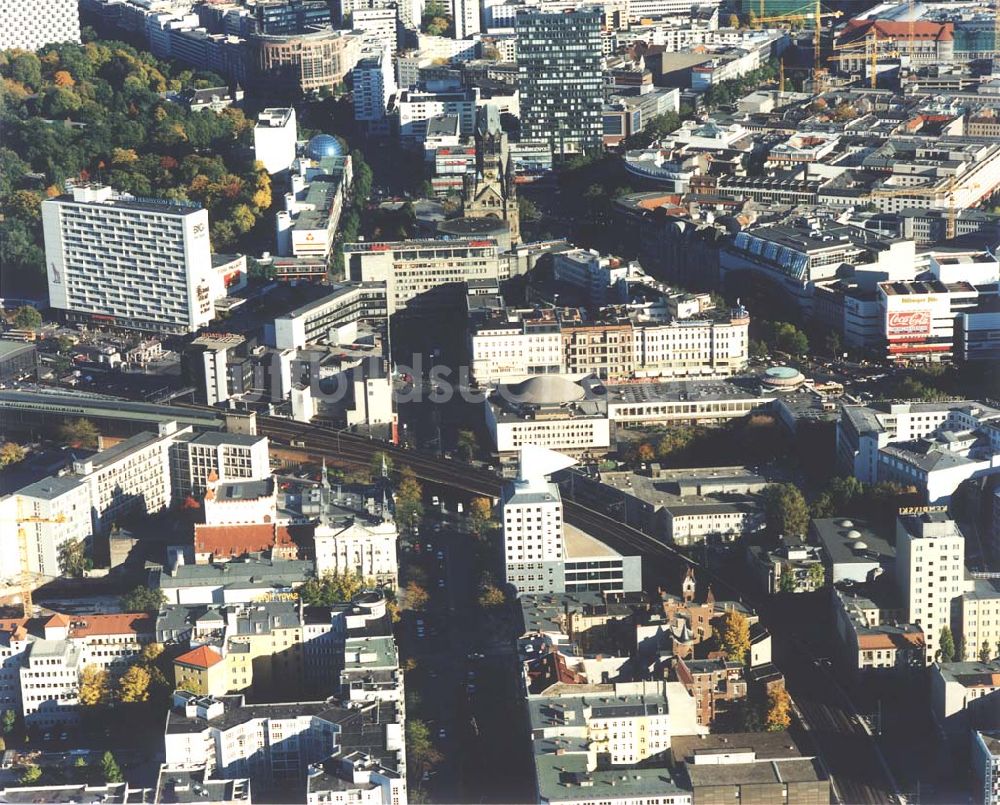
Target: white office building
point(930, 571)
point(274, 139)
point(31, 24)
point(37, 520)
point(226, 456)
point(143, 264)
point(422, 273)
point(544, 555)
point(417, 107)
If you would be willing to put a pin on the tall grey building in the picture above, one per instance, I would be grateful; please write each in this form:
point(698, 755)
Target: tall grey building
point(559, 77)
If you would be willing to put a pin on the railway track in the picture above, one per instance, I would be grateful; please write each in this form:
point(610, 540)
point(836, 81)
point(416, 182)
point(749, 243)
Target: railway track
point(830, 726)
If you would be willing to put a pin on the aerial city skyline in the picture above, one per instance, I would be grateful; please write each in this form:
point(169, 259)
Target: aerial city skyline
point(500, 401)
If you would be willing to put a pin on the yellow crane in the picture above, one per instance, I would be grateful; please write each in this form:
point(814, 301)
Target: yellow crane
point(817, 15)
point(867, 51)
point(22, 538)
point(947, 190)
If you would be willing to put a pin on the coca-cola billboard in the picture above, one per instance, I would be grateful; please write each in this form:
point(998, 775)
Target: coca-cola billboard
point(908, 325)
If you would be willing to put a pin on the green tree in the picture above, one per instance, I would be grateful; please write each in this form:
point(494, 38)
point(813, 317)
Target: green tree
point(419, 746)
point(134, 684)
point(960, 652)
point(786, 581)
point(817, 576)
point(72, 559)
point(785, 510)
point(409, 499)
point(333, 588)
point(143, 599)
point(79, 433)
point(734, 636)
point(946, 646)
point(8, 721)
point(467, 445)
point(110, 769)
point(27, 318)
point(984, 651)
point(31, 775)
point(11, 453)
point(480, 514)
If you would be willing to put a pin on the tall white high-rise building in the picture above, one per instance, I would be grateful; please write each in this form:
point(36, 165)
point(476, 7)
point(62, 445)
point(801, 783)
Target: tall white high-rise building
point(31, 24)
point(467, 17)
point(930, 570)
point(144, 264)
point(532, 518)
point(274, 138)
point(374, 86)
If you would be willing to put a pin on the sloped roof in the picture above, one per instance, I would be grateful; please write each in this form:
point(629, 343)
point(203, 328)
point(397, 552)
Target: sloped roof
point(201, 657)
point(237, 540)
point(892, 29)
point(122, 623)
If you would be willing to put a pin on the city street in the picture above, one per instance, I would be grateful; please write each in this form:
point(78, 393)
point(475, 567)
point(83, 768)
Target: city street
point(465, 680)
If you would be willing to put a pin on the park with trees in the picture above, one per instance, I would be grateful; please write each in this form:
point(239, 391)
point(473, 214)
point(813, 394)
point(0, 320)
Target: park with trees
point(100, 112)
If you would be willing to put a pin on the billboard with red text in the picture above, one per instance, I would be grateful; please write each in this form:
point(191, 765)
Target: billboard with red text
point(908, 325)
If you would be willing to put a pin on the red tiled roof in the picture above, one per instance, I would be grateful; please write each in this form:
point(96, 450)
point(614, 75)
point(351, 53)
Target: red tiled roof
point(891, 29)
point(201, 657)
point(237, 540)
point(58, 620)
point(124, 623)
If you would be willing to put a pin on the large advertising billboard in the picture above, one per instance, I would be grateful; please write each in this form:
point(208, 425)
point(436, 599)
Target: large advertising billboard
point(908, 325)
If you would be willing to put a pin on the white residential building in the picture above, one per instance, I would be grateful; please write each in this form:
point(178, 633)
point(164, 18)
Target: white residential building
point(274, 138)
point(467, 17)
point(31, 24)
point(344, 754)
point(374, 88)
point(930, 571)
point(626, 724)
point(50, 683)
point(144, 264)
point(531, 514)
point(132, 476)
point(380, 24)
point(986, 765)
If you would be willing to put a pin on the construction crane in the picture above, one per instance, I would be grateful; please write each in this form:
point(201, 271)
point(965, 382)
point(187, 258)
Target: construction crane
point(853, 52)
point(947, 190)
point(817, 16)
point(22, 538)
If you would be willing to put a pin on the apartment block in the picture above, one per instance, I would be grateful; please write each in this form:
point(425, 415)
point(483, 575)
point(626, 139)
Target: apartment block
point(143, 264)
point(930, 572)
point(29, 25)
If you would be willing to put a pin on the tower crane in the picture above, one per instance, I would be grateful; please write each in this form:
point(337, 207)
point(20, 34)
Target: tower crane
point(817, 15)
point(868, 51)
point(947, 190)
point(22, 539)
